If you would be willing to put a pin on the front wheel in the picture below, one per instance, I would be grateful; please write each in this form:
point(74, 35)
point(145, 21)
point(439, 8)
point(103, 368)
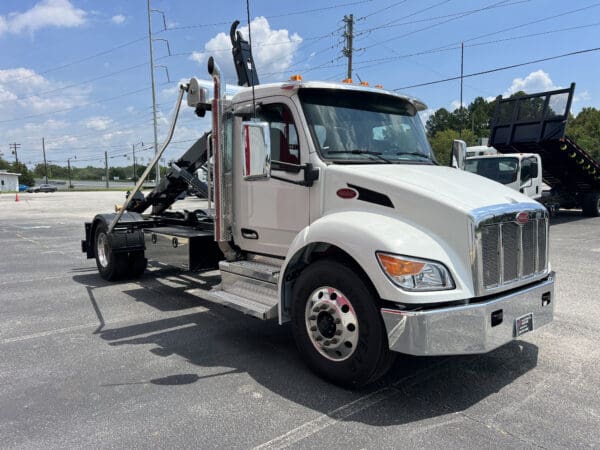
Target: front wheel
point(337, 325)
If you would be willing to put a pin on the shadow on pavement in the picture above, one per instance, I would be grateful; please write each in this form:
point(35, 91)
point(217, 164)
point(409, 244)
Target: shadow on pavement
point(415, 388)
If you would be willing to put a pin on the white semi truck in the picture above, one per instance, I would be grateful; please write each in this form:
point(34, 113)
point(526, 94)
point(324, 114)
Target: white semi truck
point(331, 212)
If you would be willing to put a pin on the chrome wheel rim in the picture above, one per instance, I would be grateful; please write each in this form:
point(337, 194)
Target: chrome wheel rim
point(103, 249)
point(331, 323)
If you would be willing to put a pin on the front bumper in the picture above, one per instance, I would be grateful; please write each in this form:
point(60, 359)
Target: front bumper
point(475, 328)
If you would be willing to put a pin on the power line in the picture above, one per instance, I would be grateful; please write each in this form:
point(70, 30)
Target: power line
point(498, 69)
point(382, 9)
point(79, 83)
point(126, 94)
point(78, 61)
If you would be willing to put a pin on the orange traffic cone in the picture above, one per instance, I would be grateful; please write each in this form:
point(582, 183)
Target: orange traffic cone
point(17, 197)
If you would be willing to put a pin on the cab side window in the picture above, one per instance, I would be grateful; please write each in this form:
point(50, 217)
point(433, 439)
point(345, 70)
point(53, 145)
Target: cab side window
point(284, 136)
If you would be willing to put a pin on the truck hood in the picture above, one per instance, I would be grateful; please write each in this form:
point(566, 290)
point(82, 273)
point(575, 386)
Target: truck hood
point(441, 202)
point(455, 188)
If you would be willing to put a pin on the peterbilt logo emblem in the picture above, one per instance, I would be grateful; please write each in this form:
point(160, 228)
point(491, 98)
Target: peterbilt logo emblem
point(522, 217)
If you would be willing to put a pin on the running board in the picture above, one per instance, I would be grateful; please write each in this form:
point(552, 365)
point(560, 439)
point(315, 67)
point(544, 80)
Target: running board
point(247, 286)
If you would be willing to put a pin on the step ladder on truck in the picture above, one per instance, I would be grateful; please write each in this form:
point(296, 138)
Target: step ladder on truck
point(327, 215)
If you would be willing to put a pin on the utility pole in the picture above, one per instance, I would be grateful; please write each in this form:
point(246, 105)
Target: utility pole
point(462, 60)
point(106, 167)
point(13, 147)
point(152, 67)
point(69, 170)
point(349, 35)
point(134, 171)
point(45, 162)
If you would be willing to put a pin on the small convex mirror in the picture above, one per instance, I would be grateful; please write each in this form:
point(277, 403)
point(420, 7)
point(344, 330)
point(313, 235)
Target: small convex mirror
point(256, 139)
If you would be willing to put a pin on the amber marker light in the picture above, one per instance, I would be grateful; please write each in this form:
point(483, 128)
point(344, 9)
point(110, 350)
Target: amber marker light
point(396, 267)
point(296, 77)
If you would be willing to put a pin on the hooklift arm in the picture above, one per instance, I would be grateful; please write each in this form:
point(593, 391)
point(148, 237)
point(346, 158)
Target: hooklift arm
point(142, 179)
point(242, 58)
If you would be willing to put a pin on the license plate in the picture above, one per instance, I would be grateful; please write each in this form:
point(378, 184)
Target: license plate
point(523, 324)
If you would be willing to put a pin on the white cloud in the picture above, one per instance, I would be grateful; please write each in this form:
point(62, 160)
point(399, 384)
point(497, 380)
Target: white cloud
point(537, 81)
point(118, 19)
point(98, 123)
point(44, 14)
point(426, 114)
point(455, 105)
point(273, 50)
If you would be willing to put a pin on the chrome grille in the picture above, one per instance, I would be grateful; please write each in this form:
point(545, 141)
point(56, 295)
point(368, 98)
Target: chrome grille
point(509, 253)
point(511, 247)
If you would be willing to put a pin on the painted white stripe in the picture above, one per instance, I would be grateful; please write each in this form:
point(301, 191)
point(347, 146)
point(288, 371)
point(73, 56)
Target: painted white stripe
point(323, 421)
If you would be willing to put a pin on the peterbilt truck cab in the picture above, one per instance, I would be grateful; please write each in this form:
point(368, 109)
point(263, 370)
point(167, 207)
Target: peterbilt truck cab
point(331, 212)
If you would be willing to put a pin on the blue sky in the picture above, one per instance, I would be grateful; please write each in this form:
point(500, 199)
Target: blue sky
point(77, 73)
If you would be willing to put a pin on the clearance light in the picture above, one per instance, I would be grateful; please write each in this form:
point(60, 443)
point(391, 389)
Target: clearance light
point(414, 274)
point(296, 77)
point(364, 83)
point(347, 80)
point(379, 86)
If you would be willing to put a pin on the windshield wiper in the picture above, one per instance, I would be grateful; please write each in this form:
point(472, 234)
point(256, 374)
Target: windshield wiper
point(422, 155)
point(362, 152)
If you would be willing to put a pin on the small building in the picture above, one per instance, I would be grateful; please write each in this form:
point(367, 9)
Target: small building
point(9, 182)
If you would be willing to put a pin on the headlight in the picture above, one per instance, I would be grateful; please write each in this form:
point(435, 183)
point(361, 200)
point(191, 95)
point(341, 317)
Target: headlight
point(415, 274)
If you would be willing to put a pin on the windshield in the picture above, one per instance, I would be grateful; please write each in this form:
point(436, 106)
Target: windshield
point(354, 126)
point(503, 170)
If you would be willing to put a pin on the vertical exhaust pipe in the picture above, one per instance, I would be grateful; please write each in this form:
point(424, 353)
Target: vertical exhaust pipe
point(222, 233)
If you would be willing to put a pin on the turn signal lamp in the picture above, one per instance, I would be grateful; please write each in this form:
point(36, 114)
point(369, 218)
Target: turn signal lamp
point(413, 274)
point(296, 77)
point(364, 83)
point(379, 86)
point(347, 80)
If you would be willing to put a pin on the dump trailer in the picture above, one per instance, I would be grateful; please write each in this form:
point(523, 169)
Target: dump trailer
point(331, 212)
point(534, 127)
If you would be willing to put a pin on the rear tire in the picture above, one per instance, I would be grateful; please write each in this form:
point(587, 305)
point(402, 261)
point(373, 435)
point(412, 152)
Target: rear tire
point(112, 266)
point(591, 204)
point(137, 264)
point(338, 327)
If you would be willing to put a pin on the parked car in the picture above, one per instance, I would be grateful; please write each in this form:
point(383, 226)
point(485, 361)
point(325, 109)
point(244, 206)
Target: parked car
point(23, 187)
point(42, 188)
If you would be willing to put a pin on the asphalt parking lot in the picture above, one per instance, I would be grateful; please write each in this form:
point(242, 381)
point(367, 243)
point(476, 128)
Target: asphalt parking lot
point(86, 363)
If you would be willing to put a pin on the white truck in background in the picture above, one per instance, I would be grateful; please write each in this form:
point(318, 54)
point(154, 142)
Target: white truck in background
point(530, 153)
point(331, 212)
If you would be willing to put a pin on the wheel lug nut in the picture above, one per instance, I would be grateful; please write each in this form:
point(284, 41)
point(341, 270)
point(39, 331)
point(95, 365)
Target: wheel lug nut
point(338, 332)
point(313, 317)
point(318, 338)
point(331, 310)
point(326, 343)
point(313, 328)
point(337, 320)
point(334, 341)
point(316, 309)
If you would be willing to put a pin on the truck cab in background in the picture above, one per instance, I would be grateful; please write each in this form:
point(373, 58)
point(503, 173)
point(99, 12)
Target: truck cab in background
point(519, 171)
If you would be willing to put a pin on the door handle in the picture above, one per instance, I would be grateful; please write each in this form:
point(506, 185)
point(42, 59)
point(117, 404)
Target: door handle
point(249, 234)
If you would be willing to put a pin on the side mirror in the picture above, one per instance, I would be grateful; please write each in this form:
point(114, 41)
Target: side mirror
point(459, 154)
point(257, 150)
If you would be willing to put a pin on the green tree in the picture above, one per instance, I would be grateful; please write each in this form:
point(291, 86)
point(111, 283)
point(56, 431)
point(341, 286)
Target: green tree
point(585, 130)
point(26, 175)
point(441, 142)
point(4, 164)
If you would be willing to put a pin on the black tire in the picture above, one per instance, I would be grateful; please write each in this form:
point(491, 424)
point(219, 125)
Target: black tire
point(112, 266)
point(137, 264)
point(591, 204)
point(346, 364)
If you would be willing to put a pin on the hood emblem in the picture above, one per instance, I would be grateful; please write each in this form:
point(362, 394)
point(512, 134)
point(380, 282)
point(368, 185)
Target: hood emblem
point(522, 218)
